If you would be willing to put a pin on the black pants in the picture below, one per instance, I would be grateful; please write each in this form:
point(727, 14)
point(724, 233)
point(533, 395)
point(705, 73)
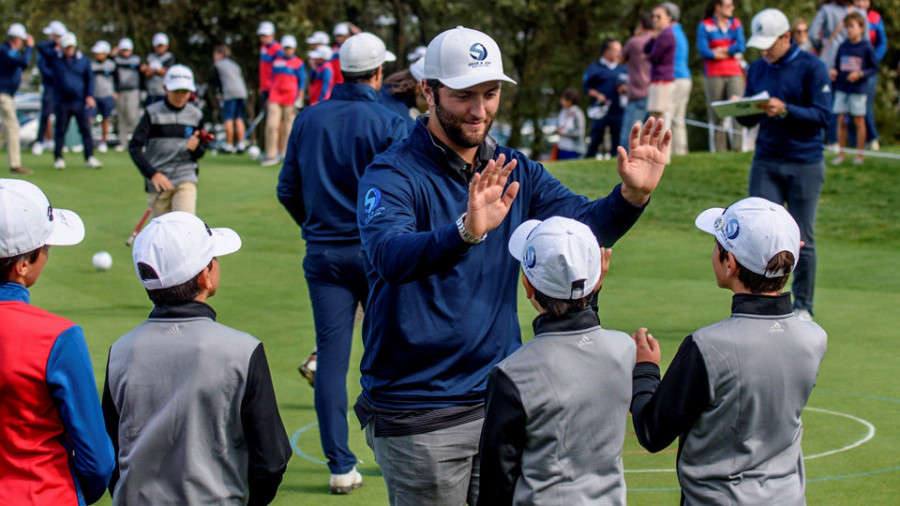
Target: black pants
point(64, 112)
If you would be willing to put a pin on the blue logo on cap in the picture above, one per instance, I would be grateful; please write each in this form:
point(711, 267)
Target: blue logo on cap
point(530, 257)
point(732, 229)
point(188, 131)
point(373, 198)
point(478, 52)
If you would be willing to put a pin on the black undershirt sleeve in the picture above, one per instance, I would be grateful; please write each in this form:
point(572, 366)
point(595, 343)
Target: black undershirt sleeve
point(502, 441)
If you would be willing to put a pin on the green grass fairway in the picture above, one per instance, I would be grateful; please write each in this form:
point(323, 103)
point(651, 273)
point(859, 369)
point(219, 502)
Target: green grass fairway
point(660, 278)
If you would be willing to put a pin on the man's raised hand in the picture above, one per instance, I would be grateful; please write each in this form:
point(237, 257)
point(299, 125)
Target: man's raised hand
point(489, 197)
point(642, 166)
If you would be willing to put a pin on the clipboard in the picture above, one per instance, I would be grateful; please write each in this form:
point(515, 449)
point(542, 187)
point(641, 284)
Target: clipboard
point(745, 106)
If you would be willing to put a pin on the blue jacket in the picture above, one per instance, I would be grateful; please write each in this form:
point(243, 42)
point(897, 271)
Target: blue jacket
point(682, 52)
point(855, 57)
point(11, 64)
point(397, 104)
point(441, 313)
point(598, 76)
point(73, 80)
point(801, 81)
point(331, 143)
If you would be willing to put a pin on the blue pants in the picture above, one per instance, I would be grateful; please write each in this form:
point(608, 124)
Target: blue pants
point(336, 277)
point(47, 105)
point(635, 111)
point(65, 112)
point(598, 126)
point(797, 186)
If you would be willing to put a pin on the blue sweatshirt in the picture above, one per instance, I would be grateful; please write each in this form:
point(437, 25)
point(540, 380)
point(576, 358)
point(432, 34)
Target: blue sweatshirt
point(397, 104)
point(73, 80)
point(801, 81)
point(331, 143)
point(442, 313)
point(606, 80)
point(12, 61)
point(851, 58)
point(682, 52)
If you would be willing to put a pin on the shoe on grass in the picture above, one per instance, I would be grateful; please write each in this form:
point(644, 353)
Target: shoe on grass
point(59, 164)
point(37, 149)
point(102, 147)
point(874, 145)
point(22, 171)
point(345, 483)
point(837, 161)
point(93, 163)
point(858, 160)
point(308, 368)
point(268, 162)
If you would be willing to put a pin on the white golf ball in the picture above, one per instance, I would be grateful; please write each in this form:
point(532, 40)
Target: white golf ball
point(253, 151)
point(102, 261)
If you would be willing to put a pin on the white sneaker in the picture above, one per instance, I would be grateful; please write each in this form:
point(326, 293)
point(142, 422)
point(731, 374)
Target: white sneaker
point(102, 147)
point(93, 163)
point(227, 148)
point(874, 145)
point(59, 164)
point(835, 147)
point(268, 162)
point(345, 483)
point(858, 161)
point(48, 145)
point(37, 149)
point(78, 148)
point(837, 161)
point(803, 315)
point(120, 147)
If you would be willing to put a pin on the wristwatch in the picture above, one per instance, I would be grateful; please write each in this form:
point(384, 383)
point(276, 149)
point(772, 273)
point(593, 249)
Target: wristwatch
point(466, 236)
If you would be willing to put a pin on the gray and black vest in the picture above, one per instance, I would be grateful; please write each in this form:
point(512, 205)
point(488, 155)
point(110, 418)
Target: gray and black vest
point(575, 387)
point(129, 77)
point(166, 147)
point(103, 78)
point(155, 82)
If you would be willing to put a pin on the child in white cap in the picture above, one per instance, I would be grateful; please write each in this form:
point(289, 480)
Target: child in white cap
point(53, 447)
point(556, 409)
point(734, 392)
point(189, 402)
point(104, 70)
point(155, 68)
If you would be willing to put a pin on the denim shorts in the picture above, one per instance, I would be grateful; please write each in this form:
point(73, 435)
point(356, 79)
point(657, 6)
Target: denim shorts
point(233, 109)
point(854, 103)
point(105, 106)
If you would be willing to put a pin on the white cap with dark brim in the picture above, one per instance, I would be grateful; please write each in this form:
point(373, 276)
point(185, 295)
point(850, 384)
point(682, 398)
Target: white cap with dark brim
point(28, 221)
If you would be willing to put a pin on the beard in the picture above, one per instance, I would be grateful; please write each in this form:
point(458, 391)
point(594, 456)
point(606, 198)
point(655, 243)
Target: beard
point(452, 125)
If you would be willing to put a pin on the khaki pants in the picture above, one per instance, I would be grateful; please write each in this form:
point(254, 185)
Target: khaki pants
point(279, 120)
point(182, 198)
point(722, 88)
point(9, 133)
point(128, 105)
point(679, 110)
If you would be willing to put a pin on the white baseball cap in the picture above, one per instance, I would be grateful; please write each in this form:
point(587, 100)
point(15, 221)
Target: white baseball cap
point(462, 57)
point(319, 37)
point(177, 246)
point(766, 27)
point(560, 256)
point(126, 44)
point(160, 39)
point(179, 77)
point(101, 47)
point(68, 40)
point(28, 221)
point(417, 69)
point(754, 230)
point(17, 30)
point(417, 54)
point(55, 28)
point(362, 52)
point(266, 28)
point(341, 29)
point(289, 41)
point(321, 53)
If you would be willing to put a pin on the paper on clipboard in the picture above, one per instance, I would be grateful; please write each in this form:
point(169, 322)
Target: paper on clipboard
point(744, 106)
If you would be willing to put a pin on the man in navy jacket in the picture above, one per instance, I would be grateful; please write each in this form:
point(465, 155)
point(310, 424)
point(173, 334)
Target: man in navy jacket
point(73, 91)
point(15, 54)
point(330, 145)
point(435, 213)
point(789, 164)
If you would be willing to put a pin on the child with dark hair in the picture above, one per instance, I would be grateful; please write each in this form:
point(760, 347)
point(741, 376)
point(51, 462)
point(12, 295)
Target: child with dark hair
point(556, 409)
point(570, 125)
point(182, 369)
point(734, 392)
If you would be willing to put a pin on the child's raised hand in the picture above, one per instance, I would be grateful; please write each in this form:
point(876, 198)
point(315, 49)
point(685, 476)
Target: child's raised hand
point(647, 347)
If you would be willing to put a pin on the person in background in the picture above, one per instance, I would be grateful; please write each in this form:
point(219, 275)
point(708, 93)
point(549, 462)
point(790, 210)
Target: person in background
point(128, 90)
point(228, 79)
point(285, 97)
point(660, 51)
point(158, 63)
point(570, 125)
point(401, 93)
point(878, 37)
point(44, 140)
point(321, 75)
point(15, 55)
point(800, 34)
point(602, 83)
point(341, 32)
point(73, 87)
point(104, 70)
point(720, 36)
point(683, 81)
point(638, 76)
point(268, 50)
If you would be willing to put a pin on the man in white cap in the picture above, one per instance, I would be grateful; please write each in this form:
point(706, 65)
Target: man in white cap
point(330, 146)
point(166, 145)
point(182, 369)
point(734, 392)
point(73, 91)
point(104, 70)
point(128, 90)
point(435, 212)
point(15, 55)
point(285, 97)
point(268, 50)
point(53, 447)
point(789, 165)
point(44, 140)
point(155, 68)
point(538, 448)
